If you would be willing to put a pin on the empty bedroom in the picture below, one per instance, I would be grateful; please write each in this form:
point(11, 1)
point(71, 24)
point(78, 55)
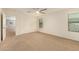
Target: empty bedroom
point(39, 29)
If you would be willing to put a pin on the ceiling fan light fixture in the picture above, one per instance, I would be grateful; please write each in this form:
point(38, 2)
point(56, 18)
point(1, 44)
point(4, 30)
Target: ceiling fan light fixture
point(37, 12)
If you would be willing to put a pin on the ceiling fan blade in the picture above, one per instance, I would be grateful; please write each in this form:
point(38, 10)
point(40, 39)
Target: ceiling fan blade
point(43, 9)
point(36, 9)
point(42, 12)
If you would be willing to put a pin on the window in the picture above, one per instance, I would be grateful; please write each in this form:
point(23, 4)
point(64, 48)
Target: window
point(73, 22)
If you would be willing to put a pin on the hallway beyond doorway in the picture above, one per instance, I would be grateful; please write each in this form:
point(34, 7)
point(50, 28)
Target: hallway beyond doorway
point(10, 33)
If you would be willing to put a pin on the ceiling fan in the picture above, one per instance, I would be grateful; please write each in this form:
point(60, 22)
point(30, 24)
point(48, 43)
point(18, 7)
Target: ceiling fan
point(38, 10)
point(43, 11)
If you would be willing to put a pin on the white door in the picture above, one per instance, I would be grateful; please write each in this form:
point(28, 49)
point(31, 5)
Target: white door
point(2, 26)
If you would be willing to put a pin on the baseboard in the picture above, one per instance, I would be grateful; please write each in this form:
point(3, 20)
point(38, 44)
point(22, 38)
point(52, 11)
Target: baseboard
point(48, 34)
point(58, 36)
point(27, 33)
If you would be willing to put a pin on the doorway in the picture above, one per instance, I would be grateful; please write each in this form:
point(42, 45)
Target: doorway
point(3, 26)
point(10, 26)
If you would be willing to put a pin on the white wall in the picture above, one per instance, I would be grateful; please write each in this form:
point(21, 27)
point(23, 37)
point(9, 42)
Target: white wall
point(24, 23)
point(57, 24)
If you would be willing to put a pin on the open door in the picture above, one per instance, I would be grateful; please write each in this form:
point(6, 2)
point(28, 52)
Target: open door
point(3, 26)
point(0, 26)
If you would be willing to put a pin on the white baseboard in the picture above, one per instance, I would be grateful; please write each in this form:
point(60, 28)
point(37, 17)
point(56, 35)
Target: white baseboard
point(58, 36)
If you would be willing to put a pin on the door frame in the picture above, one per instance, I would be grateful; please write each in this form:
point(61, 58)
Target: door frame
point(1, 27)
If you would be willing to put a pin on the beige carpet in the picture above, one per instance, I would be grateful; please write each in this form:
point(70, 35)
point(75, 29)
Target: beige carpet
point(38, 42)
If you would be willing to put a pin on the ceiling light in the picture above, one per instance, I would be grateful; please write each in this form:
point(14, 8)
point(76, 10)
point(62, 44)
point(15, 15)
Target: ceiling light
point(37, 12)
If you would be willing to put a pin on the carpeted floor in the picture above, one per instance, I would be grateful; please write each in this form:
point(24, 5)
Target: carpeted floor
point(38, 42)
